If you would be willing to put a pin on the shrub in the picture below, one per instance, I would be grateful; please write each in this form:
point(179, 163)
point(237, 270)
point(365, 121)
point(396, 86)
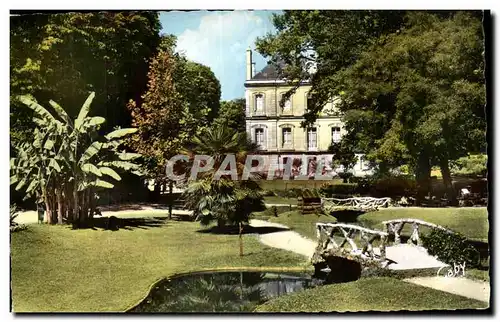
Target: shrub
point(451, 248)
point(471, 165)
point(14, 226)
point(330, 190)
point(393, 187)
point(268, 193)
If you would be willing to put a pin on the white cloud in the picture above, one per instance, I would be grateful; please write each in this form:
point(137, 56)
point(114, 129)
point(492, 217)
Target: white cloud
point(220, 42)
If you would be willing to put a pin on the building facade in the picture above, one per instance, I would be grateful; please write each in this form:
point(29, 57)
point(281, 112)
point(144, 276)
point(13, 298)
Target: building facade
point(277, 129)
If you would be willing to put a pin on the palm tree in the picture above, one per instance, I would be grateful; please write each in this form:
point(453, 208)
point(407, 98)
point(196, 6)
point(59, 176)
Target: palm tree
point(226, 201)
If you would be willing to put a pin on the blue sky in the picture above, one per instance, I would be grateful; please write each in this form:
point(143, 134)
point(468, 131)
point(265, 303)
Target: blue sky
point(219, 39)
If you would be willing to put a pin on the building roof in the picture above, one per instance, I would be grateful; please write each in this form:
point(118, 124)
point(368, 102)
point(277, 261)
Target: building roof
point(268, 73)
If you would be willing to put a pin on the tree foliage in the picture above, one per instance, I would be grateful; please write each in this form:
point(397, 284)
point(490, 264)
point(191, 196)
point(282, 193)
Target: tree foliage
point(343, 157)
point(226, 201)
point(329, 39)
point(65, 56)
point(418, 96)
point(181, 99)
point(232, 115)
point(410, 85)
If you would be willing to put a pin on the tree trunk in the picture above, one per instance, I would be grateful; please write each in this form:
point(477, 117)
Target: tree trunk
point(84, 208)
point(59, 207)
point(450, 191)
point(241, 239)
point(48, 210)
point(76, 215)
point(156, 192)
point(423, 177)
point(170, 199)
point(93, 205)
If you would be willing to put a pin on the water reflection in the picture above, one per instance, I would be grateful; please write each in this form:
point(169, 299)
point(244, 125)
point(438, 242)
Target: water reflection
point(222, 292)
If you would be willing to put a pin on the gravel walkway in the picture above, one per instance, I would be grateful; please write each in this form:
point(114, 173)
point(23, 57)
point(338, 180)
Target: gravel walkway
point(288, 240)
point(457, 285)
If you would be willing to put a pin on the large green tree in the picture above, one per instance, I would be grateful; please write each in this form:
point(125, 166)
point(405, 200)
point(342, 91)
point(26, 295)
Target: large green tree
point(418, 95)
point(199, 88)
point(411, 84)
point(232, 115)
point(181, 99)
point(65, 56)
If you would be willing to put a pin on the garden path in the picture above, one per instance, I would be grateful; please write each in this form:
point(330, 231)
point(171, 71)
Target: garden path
point(457, 285)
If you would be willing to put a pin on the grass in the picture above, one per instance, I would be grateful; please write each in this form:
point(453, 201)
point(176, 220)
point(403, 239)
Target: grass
point(477, 274)
point(56, 269)
point(303, 224)
point(471, 222)
point(369, 294)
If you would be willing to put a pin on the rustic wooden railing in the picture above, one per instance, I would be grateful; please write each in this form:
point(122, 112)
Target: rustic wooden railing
point(327, 231)
point(361, 203)
point(395, 227)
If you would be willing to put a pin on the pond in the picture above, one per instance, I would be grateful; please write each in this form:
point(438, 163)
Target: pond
point(221, 291)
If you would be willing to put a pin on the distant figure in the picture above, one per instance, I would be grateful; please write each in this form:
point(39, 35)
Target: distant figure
point(465, 191)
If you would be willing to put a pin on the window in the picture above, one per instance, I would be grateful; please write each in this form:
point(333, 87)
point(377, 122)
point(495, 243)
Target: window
point(335, 134)
point(259, 103)
point(311, 138)
point(259, 136)
point(309, 101)
point(287, 136)
point(362, 163)
point(287, 107)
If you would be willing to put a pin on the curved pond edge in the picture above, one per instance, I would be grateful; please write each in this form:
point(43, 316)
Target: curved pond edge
point(297, 269)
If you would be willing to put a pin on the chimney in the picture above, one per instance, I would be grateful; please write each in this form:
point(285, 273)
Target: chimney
point(249, 64)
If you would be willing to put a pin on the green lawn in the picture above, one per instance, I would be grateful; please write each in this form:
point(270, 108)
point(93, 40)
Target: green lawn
point(303, 224)
point(369, 294)
point(471, 222)
point(57, 269)
point(479, 275)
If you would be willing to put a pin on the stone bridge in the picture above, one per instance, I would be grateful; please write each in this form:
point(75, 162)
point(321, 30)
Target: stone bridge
point(372, 247)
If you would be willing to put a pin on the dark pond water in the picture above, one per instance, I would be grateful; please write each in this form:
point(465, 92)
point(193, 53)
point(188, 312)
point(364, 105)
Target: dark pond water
point(222, 291)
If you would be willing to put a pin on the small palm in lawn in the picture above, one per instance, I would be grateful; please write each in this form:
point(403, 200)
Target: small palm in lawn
point(227, 201)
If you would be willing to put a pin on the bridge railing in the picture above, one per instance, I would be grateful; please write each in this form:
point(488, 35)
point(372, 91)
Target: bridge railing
point(350, 233)
point(396, 226)
point(363, 203)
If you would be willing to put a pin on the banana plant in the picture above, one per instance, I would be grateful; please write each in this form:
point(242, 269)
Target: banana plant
point(69, 162)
